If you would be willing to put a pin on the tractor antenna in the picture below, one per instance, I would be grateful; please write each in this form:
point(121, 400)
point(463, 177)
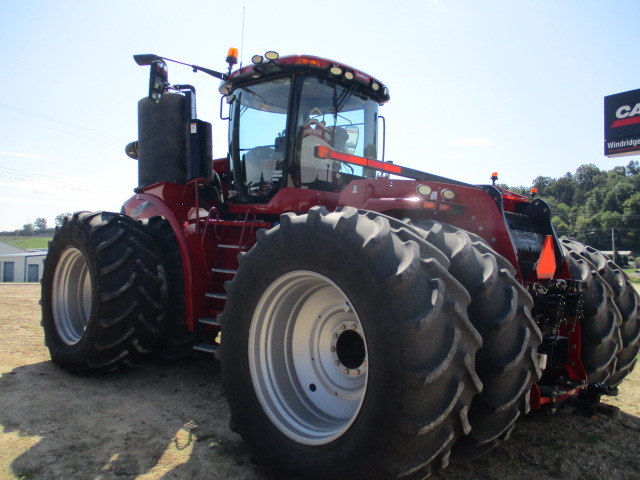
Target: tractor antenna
point(244, 9)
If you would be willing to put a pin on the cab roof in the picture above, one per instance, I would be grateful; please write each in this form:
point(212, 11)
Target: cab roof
point(308, 64)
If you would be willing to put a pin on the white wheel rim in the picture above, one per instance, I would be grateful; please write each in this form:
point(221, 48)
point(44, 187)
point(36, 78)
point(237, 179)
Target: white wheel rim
point(71, 296)
point(308, 358)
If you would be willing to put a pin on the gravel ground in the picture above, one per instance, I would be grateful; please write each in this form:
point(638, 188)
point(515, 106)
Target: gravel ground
point(171, 422)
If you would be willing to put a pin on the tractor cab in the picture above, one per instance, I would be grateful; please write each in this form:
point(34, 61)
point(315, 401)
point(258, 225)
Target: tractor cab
point(287, 114)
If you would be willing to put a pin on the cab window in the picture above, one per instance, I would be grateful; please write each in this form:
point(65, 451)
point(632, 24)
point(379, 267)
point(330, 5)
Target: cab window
point(338, 117)
point(260, 116)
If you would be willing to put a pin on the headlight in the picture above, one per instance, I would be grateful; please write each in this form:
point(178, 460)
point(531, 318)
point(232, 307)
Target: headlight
point(424, 190)
point(448, 194)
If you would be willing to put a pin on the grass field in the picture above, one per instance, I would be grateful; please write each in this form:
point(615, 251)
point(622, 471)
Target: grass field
point(631, 272)
point(25, 242)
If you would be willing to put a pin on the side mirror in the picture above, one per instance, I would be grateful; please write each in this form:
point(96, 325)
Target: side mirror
point(228, 99)
point(158, 80)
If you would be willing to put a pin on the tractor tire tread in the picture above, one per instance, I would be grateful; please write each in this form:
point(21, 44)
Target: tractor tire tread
point(123, 322)
point(435, 357)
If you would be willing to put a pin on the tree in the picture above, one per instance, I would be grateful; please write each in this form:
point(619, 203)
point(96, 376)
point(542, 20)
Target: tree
point(27, 229)
point(631, 216)
point(59, 220)
point(560, 225)
point(631, 205)
point(586, 176)
point(541, 183)
point(619, 171)
point(563, 189)
point(40, 224)
point(616, 196)
point(595, 200)
point(633, 168)
point(591, 203)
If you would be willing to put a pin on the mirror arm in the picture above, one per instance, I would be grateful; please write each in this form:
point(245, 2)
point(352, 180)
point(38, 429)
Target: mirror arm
point(213, 73)
point(148, 59)
point(184, 87)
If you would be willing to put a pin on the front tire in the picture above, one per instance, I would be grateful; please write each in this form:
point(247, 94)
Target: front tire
point(626, 299)
point(600, 326)
point(101, 293)
point(346, 352)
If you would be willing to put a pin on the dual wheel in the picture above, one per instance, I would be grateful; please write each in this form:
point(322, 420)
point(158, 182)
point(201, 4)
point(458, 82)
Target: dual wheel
point(113, 293)
point(611, 325)
point(102, 293)
point(351, 343)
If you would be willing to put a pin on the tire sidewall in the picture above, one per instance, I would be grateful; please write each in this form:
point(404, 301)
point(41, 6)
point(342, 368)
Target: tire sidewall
point(345, 268)
point(70, 235)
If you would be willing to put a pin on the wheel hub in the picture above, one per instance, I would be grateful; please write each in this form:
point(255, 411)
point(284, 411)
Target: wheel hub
point(348, 349)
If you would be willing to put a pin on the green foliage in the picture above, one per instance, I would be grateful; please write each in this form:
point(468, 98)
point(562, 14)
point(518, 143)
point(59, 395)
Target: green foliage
point(59, 220)
point(27, 229)
point(633, 276)
point(40, 223)
point(592, 205)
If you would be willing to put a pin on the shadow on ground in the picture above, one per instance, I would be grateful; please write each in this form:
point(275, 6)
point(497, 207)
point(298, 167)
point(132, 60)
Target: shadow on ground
point(171, 422)
point(150, 422)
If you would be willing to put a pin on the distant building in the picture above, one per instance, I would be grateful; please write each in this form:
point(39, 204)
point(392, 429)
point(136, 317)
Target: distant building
point(623, 256)
point(5, 249)
point(17, 265)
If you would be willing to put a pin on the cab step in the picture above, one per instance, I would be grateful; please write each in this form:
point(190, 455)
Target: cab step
point(206, 347)
point(217, 296)
point(209, 321)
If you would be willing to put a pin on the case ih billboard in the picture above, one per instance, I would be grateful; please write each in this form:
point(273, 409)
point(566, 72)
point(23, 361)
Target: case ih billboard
point(622, 124)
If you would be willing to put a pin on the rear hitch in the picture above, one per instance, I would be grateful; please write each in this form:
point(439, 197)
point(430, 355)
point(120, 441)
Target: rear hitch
point(588, 402)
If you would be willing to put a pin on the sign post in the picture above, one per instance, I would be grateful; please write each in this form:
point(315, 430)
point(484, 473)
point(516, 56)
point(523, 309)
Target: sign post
point(622, 124)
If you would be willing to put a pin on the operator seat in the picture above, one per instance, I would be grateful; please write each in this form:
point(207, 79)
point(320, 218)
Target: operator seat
point(263, 166)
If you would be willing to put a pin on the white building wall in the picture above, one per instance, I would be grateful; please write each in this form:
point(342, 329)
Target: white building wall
point(21, 267)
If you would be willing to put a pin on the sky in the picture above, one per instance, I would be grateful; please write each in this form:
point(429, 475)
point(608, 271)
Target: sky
point(512, 86)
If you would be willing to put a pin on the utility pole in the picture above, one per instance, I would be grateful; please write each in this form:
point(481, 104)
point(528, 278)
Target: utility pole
point(613, 244)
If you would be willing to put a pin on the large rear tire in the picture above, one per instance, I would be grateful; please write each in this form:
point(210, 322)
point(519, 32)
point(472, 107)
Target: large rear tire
point(101, 293)
point(626, 299)
point(500, 309)
point(346, 352)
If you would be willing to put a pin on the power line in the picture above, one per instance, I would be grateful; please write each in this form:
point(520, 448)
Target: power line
point(21, 176)
point(110, 139)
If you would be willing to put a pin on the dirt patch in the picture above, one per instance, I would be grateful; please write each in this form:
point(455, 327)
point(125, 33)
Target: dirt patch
point(171, 422)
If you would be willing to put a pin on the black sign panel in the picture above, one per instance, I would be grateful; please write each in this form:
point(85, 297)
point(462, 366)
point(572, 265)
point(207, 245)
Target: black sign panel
point(622, 124)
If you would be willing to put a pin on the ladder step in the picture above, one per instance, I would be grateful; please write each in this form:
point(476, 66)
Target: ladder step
point(224, 270)
point(209, 321)
point(237, 247)
point(218, 296)
point(206, 347)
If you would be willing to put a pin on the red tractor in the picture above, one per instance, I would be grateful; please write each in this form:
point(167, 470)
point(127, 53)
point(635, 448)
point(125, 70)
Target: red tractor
point(371, 320)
